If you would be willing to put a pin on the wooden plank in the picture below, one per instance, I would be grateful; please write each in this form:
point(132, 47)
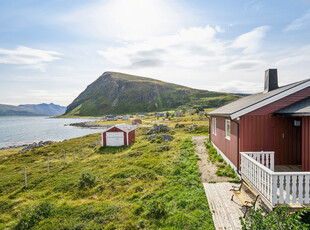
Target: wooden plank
point(225, 213)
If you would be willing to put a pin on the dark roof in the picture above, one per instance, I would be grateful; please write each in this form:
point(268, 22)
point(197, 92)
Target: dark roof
point(245, 102)
point(299, 108)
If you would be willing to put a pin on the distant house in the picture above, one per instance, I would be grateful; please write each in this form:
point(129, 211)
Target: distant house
point(118, 135)
point(166, 119)
point(266, 137)
point(159, 114)
point(125, 118)
point(136, 121)
point(111, 118)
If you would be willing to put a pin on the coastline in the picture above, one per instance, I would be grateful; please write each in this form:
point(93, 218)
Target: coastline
point(88, 125)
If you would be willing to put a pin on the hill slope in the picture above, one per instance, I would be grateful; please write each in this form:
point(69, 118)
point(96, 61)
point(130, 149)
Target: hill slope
point(32, 110)
point(118, 93)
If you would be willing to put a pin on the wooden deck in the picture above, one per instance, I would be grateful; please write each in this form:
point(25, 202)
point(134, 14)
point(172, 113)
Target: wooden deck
point(225, 213)
point(287, 168)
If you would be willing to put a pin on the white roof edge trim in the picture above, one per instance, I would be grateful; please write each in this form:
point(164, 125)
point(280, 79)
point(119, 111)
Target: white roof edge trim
point(270, 100)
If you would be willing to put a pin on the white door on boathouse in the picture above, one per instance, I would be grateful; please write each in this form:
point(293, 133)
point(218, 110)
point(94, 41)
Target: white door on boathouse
point(115, 138)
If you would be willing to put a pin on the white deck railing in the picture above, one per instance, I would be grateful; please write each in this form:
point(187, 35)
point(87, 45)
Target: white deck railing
point(277, 187)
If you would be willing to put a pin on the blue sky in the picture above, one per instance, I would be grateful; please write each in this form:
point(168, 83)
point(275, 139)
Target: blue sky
point(51, 50)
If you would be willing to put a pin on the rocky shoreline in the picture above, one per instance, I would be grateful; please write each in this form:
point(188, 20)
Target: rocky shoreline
point(26, 147)
point(89, 125)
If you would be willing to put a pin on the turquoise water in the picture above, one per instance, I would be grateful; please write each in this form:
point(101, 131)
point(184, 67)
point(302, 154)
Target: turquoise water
point(24, 130)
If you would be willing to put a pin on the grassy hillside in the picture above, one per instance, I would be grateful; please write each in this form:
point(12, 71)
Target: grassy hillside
point(117, 93)
point(144, 186)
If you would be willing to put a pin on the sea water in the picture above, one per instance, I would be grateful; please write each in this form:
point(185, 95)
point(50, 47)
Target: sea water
point(24, 130)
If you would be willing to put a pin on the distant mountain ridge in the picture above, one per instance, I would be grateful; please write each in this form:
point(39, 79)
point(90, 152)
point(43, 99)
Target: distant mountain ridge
point(119, 93)
point(32, 110)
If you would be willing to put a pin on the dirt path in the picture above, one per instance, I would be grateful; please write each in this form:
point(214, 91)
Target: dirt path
point(207, 169)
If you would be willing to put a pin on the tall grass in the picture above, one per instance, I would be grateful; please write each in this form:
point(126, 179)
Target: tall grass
point(144, 186)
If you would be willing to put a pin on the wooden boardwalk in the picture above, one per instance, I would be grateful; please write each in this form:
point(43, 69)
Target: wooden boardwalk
point(225, 213)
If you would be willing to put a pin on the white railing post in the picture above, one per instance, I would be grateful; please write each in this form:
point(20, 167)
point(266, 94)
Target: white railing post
point(307, 194)
point(274, 195)
point(272, 161)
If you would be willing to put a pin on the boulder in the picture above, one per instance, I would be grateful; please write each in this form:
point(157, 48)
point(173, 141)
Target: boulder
point(153, 136)
point(163, 137)
point(166, 138)
point(35, 145)
point(158, 129)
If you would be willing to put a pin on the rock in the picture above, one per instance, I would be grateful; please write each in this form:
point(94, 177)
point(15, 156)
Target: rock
point(159, 129)
point(163, 137)
point(35, 145)
point(166, 138)
point(90, 125)
point(152, 137)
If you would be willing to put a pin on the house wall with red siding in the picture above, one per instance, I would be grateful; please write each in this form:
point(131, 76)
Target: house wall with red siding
point(256, 133)
point(272, 133)
point(131, 136)
point(306, 143)
point(104, 139)
point(228, 147)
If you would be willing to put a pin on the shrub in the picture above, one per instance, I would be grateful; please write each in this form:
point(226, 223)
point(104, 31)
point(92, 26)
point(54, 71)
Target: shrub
point(87, 180)
point(279, 219)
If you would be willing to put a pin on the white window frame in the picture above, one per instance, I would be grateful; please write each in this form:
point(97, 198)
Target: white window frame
point(214, 126)
point(227, 130)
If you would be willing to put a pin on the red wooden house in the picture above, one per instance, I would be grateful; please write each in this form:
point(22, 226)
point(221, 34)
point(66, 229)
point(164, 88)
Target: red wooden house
point(118, 135)
point(266, 138)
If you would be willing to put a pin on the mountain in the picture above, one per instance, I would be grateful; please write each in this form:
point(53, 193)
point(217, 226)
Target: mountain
point(32, 110)
point(45, 109)
point(118, 93)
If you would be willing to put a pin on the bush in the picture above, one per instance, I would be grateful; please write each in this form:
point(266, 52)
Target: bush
point(87, 180)
point(279, 219)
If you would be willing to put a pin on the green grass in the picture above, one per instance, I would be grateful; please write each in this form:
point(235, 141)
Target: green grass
point(144, 186)
point(223, 169)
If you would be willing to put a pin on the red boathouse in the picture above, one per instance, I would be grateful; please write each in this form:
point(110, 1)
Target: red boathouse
point(118, 135)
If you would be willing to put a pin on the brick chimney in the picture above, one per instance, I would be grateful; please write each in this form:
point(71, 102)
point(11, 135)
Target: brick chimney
point(271, 80)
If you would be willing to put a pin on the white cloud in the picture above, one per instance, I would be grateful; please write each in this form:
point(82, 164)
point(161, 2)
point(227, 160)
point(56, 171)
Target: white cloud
point(127, 20)
point(248, 65)
point(27, 56)
point(219, 29)
point(299, 23)
point(191, 48)
point(296, 56)
point(250, 42)
point(240, 87)
point(188, 48)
